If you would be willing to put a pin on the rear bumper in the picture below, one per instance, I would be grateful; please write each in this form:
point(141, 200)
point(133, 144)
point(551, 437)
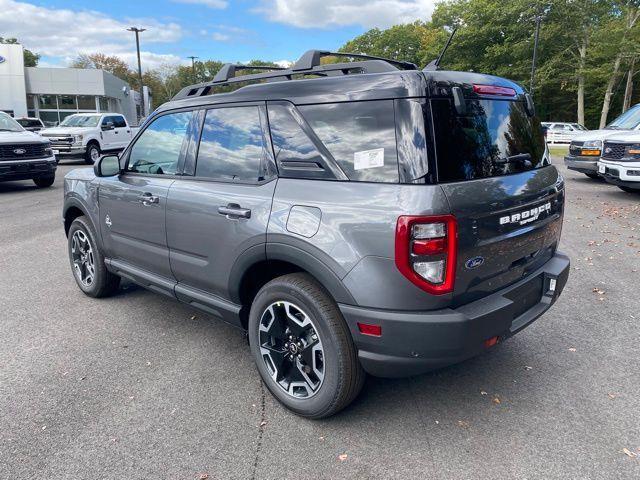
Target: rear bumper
point(417, 342)
point(27, 169)
point(582, 164)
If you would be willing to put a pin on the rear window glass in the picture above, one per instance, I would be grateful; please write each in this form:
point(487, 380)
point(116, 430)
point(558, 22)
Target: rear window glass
point(493, 138)
point(360, 136)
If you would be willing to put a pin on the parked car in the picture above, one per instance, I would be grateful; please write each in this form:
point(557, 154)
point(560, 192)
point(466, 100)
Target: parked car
point(89, 135)
point(585, 149)
point(24, 155)
point(32, 124)
point(562, 132)
point(353, 222)
point(620, 161)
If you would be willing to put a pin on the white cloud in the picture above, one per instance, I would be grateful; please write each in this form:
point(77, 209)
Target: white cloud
point(217, 4)
point(327, 13)
point(65, 33)
point(284, 63)
point(220, 37)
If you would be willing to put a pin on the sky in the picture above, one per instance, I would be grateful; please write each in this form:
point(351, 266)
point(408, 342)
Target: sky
point(227, 30)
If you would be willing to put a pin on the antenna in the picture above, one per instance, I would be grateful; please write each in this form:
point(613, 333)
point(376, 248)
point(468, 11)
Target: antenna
point(435, 64)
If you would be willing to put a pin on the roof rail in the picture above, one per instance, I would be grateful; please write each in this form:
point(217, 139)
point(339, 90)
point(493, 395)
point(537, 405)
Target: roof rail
point(308, 64)
point(311, 58)
point(228, 70)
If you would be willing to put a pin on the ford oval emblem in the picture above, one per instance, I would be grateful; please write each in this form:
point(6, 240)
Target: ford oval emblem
point(474, 262)
point(2, 59)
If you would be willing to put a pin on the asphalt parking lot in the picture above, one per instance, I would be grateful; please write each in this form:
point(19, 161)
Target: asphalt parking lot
point(138, 386)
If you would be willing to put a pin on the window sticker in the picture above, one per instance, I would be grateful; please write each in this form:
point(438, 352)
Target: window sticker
point(368, 159)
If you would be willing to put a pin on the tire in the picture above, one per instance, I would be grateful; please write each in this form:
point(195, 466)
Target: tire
point(103, 282)
point(92, 154)
point(593, 176)
point(629, 189)
point(325, 340)
point(44, 182)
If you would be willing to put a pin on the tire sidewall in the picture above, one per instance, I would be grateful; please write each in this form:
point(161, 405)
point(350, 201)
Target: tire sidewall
point(279, 291)
point(90, 147)
point(81, 223)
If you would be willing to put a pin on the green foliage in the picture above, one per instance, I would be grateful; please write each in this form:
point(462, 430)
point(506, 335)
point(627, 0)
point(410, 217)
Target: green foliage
point(30, 59)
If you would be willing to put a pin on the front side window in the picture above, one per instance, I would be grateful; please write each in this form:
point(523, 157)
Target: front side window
point(232, 145)
point(361, 137)
point(157, 150)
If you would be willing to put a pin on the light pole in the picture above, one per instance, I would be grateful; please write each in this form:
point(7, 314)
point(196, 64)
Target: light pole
point(137, 32)
point(193, 67)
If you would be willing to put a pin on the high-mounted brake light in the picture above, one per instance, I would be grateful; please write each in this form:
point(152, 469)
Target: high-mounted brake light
point(494, 90)
point(426, 248)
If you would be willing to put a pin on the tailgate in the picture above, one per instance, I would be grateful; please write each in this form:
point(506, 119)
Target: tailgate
point(507, 227)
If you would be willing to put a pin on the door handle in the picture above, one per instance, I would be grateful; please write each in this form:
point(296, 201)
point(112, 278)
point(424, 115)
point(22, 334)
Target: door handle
point(148, 199)
point(233, 210)
point(115, 133)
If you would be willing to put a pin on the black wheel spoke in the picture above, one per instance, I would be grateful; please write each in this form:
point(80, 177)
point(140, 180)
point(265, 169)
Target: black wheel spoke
point(289, 344)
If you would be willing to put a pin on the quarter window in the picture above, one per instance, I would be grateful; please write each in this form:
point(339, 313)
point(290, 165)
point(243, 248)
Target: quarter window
point(157, 150)
point(232, 145)
point(360, 136)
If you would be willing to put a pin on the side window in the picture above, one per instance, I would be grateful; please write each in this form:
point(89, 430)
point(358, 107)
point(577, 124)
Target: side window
point(106, 120)
point(118, 121)
point(296, 155)
point(361, 136)
point(157, 149)
point(232, 146)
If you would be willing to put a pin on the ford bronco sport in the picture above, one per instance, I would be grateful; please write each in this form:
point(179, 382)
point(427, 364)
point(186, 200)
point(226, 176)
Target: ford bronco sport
point(352, 217)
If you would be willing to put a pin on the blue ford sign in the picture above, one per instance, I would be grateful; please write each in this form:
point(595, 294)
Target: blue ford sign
point(2, 59)
point(474, 262)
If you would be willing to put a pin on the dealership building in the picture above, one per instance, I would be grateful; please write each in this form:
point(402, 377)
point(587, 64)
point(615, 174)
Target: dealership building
point(55, 93)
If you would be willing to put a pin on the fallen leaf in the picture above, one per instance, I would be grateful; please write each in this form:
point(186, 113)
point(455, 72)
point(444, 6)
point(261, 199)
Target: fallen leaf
point(263, 423)
point(482, 392)
point(572, 349)
point(203, 476)
point(629, 453)
point(496, 400)
point(463, 424)
point(611, 395)
point(342, 457)
point(193, 317)
point(527, 367)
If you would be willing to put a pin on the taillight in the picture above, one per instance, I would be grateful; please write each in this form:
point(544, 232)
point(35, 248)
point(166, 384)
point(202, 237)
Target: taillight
point(494, 90)
point(426, 250)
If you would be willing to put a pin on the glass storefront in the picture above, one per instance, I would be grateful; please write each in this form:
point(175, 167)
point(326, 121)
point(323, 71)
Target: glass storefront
point(52, 109)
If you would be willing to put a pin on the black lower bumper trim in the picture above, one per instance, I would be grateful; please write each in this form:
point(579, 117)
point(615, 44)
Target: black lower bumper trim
point(417, 342)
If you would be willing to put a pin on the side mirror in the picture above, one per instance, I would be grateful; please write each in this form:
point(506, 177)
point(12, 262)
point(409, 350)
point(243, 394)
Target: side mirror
point(107, 126)
point(107, 166)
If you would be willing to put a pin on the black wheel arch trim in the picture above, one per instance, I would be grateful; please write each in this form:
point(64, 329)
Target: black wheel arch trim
point(295, 256)
point(74, 202)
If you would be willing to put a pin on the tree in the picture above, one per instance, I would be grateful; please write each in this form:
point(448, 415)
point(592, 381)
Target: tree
point(30, 59)
point(109, 63)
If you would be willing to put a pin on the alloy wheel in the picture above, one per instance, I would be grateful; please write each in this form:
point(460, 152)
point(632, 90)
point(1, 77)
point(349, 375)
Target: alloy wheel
point(82, 257)
point(94, 154)
point(291, 349)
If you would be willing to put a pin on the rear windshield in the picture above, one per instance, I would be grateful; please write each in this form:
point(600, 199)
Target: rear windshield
point(27, 122)
point(493, 138)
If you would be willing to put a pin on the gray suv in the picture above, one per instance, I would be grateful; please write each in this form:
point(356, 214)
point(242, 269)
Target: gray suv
point(352, 217)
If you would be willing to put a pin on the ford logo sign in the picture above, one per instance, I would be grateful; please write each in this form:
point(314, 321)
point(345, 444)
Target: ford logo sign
point(19, 151)
point(2, 59)
point(474, 262)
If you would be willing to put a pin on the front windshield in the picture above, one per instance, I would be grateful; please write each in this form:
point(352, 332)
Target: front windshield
point(8, 124)
point(627, 121)
point(80, 121)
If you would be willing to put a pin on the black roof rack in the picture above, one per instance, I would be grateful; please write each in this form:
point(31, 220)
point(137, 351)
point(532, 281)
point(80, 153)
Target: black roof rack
point(308, 64)
point(228, 70)
point(312, 58)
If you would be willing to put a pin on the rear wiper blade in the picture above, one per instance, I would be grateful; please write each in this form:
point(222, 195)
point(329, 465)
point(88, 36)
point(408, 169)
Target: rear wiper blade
point(523, 158)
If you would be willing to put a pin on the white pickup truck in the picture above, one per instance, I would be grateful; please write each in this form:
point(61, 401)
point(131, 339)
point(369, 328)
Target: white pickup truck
point(89, 134)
